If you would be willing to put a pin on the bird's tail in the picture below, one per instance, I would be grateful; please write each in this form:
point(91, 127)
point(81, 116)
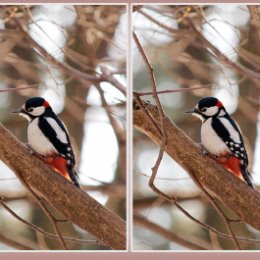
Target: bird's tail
point(73, 176)
point(247, 176)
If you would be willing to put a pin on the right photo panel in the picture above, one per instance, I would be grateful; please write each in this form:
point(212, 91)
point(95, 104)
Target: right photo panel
point(196, 130)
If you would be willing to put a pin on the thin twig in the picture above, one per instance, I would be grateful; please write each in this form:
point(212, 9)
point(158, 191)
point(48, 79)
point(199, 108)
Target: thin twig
point(161, 114)
point(178, 32)
point(15, 244)
point(77, 74)
point(40, 230)
point(140, 220)
point(120, 135)
point(17, 88)
point(221, 213)
point(250, 74)
point(172, 90)
point(141, 106)
point(47, 212)
point(107, 75)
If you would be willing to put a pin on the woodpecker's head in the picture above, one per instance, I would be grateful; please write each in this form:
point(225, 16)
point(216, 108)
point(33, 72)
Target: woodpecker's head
point(33, 107)
point(207, 107)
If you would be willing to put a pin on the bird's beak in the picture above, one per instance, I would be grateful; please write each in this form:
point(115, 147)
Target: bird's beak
point(17, 111)
point(191, 111)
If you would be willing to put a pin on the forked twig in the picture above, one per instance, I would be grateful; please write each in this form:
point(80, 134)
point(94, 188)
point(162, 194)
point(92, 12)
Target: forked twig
point(40, 230)
point(161, 113)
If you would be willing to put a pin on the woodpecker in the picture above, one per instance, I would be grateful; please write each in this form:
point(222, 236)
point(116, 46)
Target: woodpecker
point(222, 138)
point(48, 137)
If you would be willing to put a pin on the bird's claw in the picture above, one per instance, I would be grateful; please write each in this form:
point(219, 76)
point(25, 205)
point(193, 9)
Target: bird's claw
point(204, 151)
point(32, 152)
point(29, 148)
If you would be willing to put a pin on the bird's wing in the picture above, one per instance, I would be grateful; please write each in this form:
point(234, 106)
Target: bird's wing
point(55, 131)
point(229, 132)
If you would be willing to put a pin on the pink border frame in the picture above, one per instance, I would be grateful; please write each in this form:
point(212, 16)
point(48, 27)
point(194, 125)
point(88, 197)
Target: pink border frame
point(131, 255)
point(130, 2)
point(95, 255)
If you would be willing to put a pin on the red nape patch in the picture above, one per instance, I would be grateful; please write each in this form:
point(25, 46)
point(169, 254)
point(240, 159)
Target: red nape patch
point(219, 104)
point(46, 104)
point(59, 164)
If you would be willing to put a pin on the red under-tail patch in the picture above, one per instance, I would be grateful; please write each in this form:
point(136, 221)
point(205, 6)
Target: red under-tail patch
point(59, 164)
point(232, 164)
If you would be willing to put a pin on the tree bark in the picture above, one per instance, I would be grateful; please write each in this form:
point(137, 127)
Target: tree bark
point(234, 193)
point(75, 204)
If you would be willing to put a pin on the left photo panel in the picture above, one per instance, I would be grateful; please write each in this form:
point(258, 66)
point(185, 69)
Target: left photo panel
point(63, 88)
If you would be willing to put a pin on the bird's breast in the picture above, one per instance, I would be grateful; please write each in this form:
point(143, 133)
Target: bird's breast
point(37, 140)
point(211, 141)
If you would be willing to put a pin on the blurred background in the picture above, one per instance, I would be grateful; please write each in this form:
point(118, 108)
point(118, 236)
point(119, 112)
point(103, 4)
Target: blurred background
point(91, 39)
point(180, 60)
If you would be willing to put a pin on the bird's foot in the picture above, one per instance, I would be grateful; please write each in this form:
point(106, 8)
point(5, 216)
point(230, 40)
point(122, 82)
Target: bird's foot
point(32, 152)
point(29, 148)
point(204, 151)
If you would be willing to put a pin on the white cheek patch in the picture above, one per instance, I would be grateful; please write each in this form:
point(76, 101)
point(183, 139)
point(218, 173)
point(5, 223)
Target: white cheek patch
point(211, 111)
point(198, 116)
point(222, 113)
point(37, 111)
point(25, 116)
point(61, 135)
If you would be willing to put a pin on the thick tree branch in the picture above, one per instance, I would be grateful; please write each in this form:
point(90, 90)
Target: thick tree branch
point(218, 181)
point(76, 205)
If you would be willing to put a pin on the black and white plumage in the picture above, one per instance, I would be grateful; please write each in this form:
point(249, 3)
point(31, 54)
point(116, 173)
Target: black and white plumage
point(221, 136)
point(47, 135)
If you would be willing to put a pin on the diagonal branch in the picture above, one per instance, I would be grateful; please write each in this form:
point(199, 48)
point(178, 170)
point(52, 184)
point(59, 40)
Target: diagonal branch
point(141, 221)
point(40, 230)
point(74, 204)
point(214, 178)
point(53, 221)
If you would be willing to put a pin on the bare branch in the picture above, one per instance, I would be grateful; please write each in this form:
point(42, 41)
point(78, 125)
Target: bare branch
point(141, 221)
point(167, 91)
point(40, 230)
point(15, 244)
point(161, 125)
point(63, 66)
point(214, 178)
point(75, 205)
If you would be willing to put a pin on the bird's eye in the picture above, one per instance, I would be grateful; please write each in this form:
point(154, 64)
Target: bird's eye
point(204, 109)
point(30, 109)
